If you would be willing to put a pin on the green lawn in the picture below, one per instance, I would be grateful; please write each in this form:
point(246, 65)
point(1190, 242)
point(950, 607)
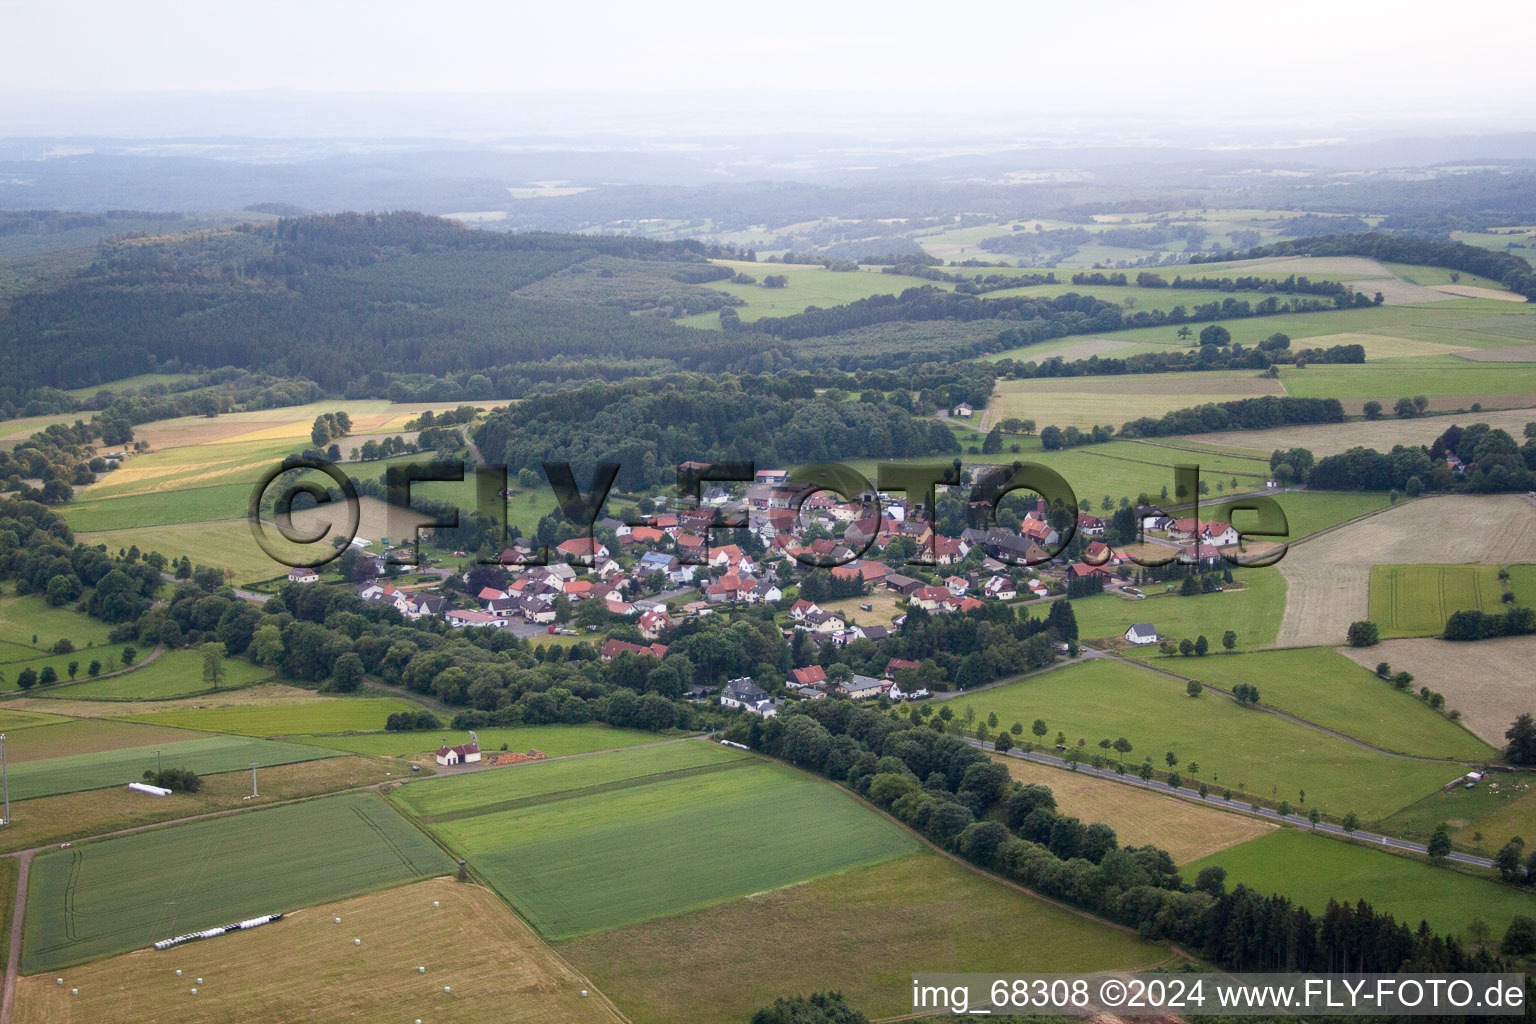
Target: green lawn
point(209, 755)
point(1253, 611)
point(1313, 869)
point(97, 899)
point(450, 794)
point(1415, 600)
point(1322, 686)
point(598, 860)
point(173, 674)
point(1243, 749)
point(348, 714)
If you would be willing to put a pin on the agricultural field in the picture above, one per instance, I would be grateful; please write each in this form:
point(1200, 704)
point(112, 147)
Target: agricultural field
point(1486, 680)
point(1141, 817)
point(690, 840)
point(466, 937)
point(524, 784)
point(24, 616)
point(256, 694)
point(554, 740)
point(344, 714)
point(172, 674)
point(809, 285)
point(1415, 600)
point(100, 898)
point(53, 819)
point(1314, 869)
point(1085, 401)
point(225, 544)
point(1332, 438)
point(1328, 578)
point(1481, 820)
point(206, 755)
point(1323, 686)
point(1247, 750)
point(45, 741)
point(1252, 611)
point(863, 932)
point(1306, 512)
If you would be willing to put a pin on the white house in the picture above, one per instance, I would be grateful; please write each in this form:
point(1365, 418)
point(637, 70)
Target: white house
point(464, 753)
point(303, 574)
point(1142, 633)
point(964, 409)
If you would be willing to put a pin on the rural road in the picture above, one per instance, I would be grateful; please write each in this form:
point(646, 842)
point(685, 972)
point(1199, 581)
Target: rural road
point(1323, 827)
point(13, 961)
point(244, 595)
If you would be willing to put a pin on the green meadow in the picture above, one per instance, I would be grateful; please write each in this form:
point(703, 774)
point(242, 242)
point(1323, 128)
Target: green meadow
point(97, 899)
point(1252, 611)
point(1243, 749)
point(351, 714)
point(554, 740)
point(597, 860)
point(1314, 869)
point(1415, 600)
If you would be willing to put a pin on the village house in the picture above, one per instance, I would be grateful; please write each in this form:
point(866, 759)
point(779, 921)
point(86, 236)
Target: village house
point(809, 676)
point(613, 648)
point(459, 618)
point(860, 687)
point(653, 622)
point(464, 753)
point(745, 694)
point(1141, 634)
point(303, 574)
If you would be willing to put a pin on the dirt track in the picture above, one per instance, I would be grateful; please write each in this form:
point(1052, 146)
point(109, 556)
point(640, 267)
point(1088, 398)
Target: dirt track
point(1328, 579)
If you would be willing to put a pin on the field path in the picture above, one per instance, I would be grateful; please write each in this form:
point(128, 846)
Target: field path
point(13, 961)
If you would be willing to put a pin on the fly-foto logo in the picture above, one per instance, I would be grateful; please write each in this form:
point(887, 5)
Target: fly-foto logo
point(1257, 543)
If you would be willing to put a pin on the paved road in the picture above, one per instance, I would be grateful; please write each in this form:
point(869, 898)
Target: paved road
point(1324, 828)
point(244, 595)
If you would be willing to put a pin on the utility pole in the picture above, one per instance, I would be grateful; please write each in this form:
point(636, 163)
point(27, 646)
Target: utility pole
point(172, 905)
point(158, 767)
point(253, 780)
point(6, 779)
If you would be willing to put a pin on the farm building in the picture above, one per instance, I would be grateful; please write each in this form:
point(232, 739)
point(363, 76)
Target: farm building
point(1142, 633)
point(464, 753)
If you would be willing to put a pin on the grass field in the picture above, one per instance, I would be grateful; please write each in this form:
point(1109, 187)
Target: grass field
point(256, 694)
point(1242, 749)
point(1485, 680)
point(226, 544)
point(554, 740)
point(1306, 512)
point(68, 736)
point(1323, 686)
point(885, 606)
point(1313, 869)
point(347, 714)
point(173, 674)
point(527, 783)
point(94, 812)
point(863, 932)
point(1140, 817)
point(1481, 820)
point(106, 897)
point(1415, 600)
point(499, 971)
point(25, 616)
point(1252, 611)
point(586, 861)
point(206, 755)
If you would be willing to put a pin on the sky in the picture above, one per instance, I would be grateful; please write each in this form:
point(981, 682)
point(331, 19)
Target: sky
point(1182, 59)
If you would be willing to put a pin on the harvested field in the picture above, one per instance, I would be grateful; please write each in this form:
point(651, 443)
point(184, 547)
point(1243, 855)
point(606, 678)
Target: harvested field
point(1328, 579)
point(1085, 401)
point(1514, 354)
point(1486, 680)
point(1332, 438)
point(500, 973)
point(1141, 817)
point(1397, 292)
point(862, 932)
point(1473, 292)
